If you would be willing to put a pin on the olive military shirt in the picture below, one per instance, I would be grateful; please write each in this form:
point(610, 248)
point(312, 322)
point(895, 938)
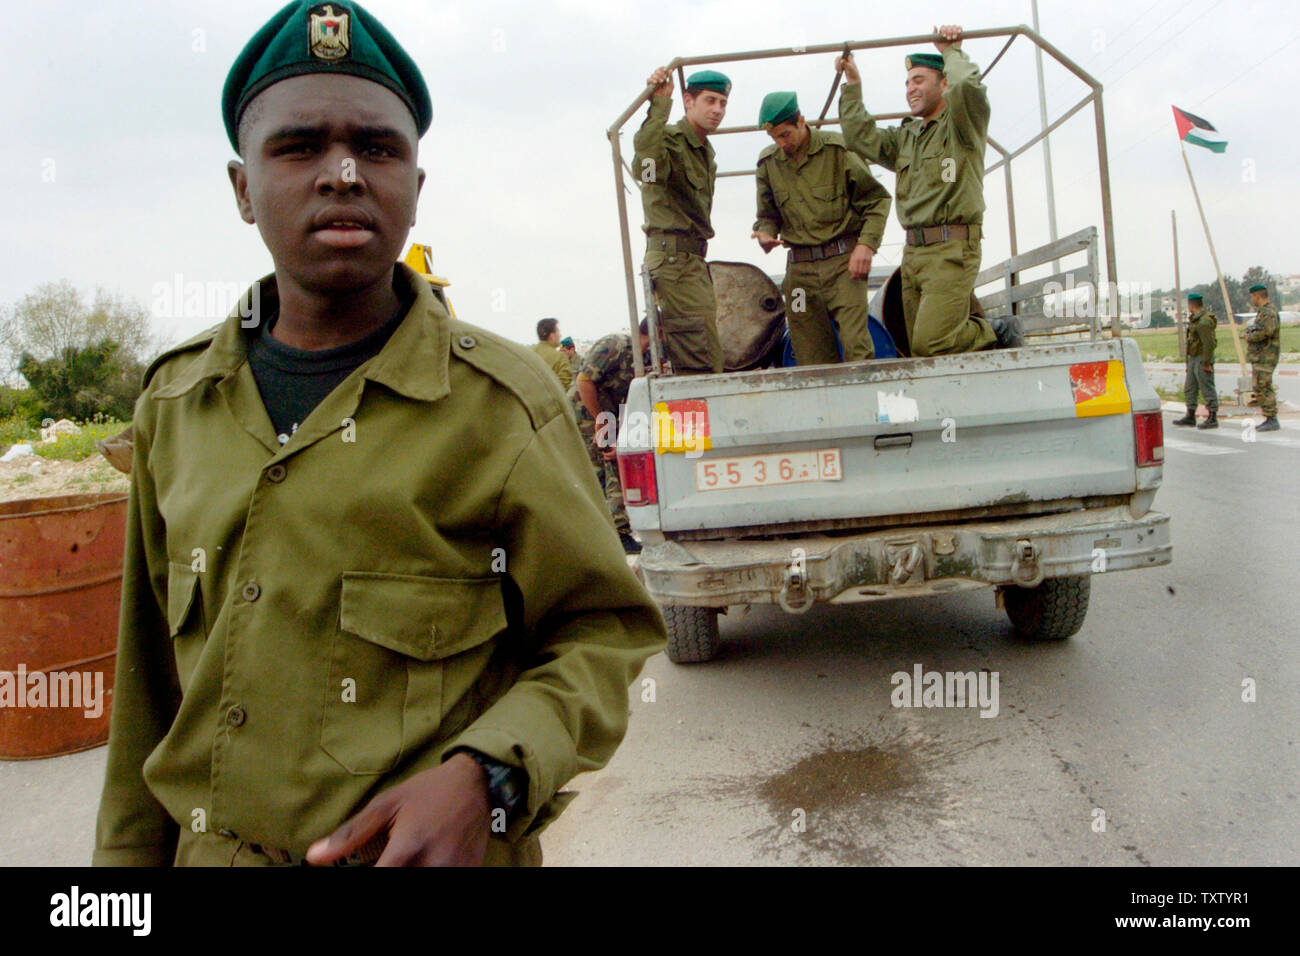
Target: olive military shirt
point(426, 564)
point(1264, 337)
point(939, 163)
point(1200, 335)
point(556, 360)
point(820, 194)
point(676, 171)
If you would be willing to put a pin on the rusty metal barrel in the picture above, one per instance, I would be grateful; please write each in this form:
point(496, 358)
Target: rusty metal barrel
point(751, 314)
point(60, 585)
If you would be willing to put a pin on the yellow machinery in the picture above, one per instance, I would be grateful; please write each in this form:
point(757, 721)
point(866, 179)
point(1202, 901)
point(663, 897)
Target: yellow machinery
point(420, 259)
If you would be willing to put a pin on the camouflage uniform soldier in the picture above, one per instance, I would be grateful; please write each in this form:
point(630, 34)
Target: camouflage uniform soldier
point(676, 168)
point(828, 209)
point(1200, 363)
point(548, 350)
point(938, 156)
point(601, 387)
point(1264, 337)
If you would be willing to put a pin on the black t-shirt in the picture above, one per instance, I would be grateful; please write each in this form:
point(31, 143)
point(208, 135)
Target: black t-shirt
point(293, 381)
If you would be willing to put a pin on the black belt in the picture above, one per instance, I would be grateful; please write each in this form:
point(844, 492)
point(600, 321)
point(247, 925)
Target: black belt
point(672, 242)
point(366, 856)
point(836, 247)
point(930, 235)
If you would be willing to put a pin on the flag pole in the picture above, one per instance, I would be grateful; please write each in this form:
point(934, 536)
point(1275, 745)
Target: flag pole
point(1223, 288)
point(1178, 292)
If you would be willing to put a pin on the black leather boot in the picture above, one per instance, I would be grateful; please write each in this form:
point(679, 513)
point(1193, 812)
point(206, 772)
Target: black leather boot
point(1212, 421)
point(1188, 419)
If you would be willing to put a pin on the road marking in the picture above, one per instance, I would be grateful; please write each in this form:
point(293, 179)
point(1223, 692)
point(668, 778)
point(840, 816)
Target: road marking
point(1177, 444)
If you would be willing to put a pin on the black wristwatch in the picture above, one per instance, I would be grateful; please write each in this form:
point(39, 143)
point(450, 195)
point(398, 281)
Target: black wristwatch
point(507, 785)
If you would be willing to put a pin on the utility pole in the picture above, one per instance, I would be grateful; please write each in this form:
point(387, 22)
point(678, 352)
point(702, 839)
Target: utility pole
point(1178, 292)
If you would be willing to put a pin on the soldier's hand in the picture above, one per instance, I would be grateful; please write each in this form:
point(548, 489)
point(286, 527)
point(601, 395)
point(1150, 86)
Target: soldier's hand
point(946, 36)
point(845, 63)
point(439, 817)
point(609, 454)
point(1207, 367)
point(662, 81)
point(860, 261)
point(768, 243)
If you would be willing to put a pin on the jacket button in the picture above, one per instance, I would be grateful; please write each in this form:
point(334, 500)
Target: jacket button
point(467, 342)
point(276, 473)
point(235, 716)
point(251, 591)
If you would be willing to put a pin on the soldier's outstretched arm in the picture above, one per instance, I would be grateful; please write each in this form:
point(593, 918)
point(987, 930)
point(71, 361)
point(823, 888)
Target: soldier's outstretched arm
point(861, 132)
point(652, 161)
point(967, 96)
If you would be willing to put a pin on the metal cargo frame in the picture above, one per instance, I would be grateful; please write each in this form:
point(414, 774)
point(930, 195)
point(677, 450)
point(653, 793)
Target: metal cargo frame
point(679, 65)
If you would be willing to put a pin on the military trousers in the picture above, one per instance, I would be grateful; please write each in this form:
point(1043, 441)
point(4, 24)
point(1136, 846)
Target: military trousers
point(606, 471)
point(815, 292)
point(211, 849)
point(938, 281)
point(688, 311)
point(1265, 395)
point(1199, 380)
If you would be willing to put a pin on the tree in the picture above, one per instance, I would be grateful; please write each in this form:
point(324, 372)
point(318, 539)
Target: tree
point(54, 318)
point(84, 382)
point(1214, 298)
point(1258, 275)
point(1160, 319)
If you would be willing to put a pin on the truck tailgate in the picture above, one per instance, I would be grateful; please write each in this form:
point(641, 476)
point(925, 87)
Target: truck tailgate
point(891, 437)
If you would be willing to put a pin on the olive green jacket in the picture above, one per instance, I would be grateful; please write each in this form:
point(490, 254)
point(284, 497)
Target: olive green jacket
point(426, 564)
point(676, 171)
point(1264, 337)
point(1200, 335)
point(825, 192)
point(940, 163)
point(557, 361)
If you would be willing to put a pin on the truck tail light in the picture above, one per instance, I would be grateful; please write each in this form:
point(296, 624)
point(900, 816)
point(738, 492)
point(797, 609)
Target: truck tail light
point(637, 473)
point(1149, 431)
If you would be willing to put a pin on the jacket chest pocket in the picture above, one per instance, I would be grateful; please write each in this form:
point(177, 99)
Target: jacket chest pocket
point(402, 641)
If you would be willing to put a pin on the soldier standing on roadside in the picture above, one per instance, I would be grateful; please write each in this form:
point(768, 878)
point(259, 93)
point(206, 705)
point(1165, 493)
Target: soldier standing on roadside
point(1264, 340)
point(677, 172)
point(1200, 363)
point(603, 380)
point(938, 156)
point(821, 200)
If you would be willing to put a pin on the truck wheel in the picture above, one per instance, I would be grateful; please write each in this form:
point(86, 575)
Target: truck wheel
point(1052, 611)
point(692, 633)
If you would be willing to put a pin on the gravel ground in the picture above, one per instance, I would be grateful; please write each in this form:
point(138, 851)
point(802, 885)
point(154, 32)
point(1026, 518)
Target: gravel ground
point(37, 477)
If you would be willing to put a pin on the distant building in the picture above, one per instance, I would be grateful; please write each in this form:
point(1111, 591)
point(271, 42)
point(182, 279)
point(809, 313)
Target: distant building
point(1289, 283)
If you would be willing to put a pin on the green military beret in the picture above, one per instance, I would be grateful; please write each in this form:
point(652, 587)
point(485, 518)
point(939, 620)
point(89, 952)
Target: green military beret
point(1195, 297)
point(336, 37)
point(708, 80)
point(932, 60)
point(567, 342)
point(777, 108)
point(1259, 288)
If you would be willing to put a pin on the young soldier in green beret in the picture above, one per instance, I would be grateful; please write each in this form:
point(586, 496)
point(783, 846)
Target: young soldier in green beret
point(938, 156)
point(1200, 363)
point(822, 202)
point(548, 350)
point(1263, 349)
point(571, 355)
point(372, 605)
point(677, 172)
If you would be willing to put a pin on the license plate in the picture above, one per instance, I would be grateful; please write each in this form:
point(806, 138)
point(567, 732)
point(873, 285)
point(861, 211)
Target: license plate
point(759, 471)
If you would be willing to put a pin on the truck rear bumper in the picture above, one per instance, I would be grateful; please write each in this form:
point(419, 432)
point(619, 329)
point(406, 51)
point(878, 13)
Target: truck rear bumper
point(797, 572)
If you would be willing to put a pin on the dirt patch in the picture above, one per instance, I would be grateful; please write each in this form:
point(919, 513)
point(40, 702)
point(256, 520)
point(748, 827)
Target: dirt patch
point(36, 477)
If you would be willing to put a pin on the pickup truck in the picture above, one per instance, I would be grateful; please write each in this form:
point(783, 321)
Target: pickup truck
point(1026, 470)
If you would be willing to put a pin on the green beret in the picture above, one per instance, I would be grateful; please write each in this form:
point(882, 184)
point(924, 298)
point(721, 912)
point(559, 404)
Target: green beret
point(777, 108)
point(567, 342)
point(1195, 297)
point(708, 80)
point(931, 60)
point(1259, 288)
point(338, 37)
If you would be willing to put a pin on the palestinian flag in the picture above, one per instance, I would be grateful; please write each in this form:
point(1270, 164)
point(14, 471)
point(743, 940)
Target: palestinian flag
point(1193, 129)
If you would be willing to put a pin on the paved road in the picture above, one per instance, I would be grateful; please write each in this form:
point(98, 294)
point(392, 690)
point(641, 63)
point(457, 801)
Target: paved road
point(1140, 717)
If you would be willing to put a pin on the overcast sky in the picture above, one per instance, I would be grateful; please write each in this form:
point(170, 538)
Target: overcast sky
point(117, 169)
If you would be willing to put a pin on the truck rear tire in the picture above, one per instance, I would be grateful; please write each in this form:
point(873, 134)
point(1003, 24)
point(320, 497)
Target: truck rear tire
point(692, 633)
point(1052, 611)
